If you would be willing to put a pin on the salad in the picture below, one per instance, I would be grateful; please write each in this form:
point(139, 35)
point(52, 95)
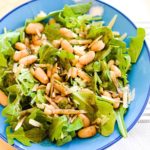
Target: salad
point(64, 75)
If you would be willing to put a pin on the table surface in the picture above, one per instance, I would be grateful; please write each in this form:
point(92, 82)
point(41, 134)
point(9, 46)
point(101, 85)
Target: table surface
point(139, 136)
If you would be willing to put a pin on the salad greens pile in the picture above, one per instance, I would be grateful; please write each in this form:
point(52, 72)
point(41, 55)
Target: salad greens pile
point(62, 77)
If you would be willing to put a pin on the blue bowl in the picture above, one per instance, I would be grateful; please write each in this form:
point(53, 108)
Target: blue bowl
point(139, 76)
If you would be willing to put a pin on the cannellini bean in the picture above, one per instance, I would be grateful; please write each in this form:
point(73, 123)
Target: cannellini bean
point(110, 63)
point(106, 93)
point(66, 46)
point(79, 50)
point(73, 72)
point(20, 46)
point(56, 43)
point(3, 98)
point(116, 70)
point(84, 75)
point(36, 40)
point(28, 60)
point(87, 132)
point(20, 54)
point(98, 46)
point(41, 75)
point(85, 120)
point(34, 28)
point(87, 58)
point(117, 103)
point(67, 33)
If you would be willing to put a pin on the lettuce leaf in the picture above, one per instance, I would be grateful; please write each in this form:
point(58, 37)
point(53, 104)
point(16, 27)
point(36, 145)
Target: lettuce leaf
point(75, 125)
point(52, 32)
point(120, 121)
point(26, 81)
point(18, 135)
point(47, 54)
point(106, 109)
point(136, 44)
point(36, 135)
point(56, 128)
point(11, 111)
point(85, 100)
point(3, 60)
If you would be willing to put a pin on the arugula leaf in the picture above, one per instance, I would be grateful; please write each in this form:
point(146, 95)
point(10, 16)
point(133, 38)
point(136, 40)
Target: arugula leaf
point(65, 58)
point(47, 54)
point(26, 81)
point(11, 111)
point(106, 109)
point(35, 135)
point(52, 32)
point(14, 89)
point(56, 128)
point(3, 60)
point(103, 54)
point(40, 98)
point(120, 121)
point(118, 43)
point(75, 125)
point(72, 16)
point(85, 100)
point(6, 48)
point(63, 141)
point(95, 82)
point(136, 44)
point(18, 135)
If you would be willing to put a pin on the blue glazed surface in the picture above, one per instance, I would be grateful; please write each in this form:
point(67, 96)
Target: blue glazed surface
point(139, 76)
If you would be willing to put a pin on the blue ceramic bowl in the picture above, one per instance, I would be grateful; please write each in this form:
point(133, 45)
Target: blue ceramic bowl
point(139, 76)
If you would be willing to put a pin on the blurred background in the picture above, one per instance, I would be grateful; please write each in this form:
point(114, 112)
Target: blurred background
point(139, 12)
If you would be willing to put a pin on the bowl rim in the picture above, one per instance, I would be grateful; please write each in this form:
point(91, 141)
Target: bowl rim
point(148, 94)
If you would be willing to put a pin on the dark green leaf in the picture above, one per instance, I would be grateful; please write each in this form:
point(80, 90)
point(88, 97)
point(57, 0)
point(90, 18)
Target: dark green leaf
point(136, 44)
point(18, 135)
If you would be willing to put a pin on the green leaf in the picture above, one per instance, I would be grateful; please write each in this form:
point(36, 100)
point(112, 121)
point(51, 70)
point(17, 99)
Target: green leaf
point(11, 111)
point(75, 125)
point(36, 135)
point(118, 43)
point(85, 100)
point(120, 121)
point(96, 81)
point(63, 141)
point(47, 54)
point(6, 48)
point(56, 128)
point(136, 44)
point(18, 135)
point(14, 89)
point(3, 60)
point(52, 32)
point(106, 109)
point(81, 9)
point(103, 54)
point(68, 12)
point(26, 81)
point(40, 98)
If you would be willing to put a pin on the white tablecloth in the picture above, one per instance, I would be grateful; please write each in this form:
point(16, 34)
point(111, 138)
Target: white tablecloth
point(139, 12)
